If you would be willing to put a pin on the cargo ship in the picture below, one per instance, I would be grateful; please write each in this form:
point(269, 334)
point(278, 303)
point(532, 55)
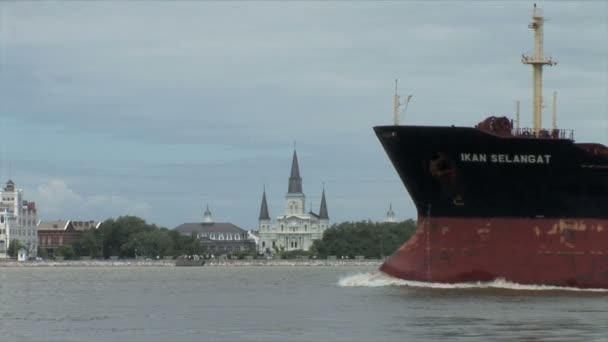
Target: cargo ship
point(496, 201)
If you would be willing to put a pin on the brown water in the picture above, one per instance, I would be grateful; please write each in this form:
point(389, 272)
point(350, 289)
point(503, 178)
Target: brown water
point(282, 304)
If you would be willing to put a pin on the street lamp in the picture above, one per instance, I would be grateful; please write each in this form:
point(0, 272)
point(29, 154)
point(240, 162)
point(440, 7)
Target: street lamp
point(102, 254)
point(382, 242)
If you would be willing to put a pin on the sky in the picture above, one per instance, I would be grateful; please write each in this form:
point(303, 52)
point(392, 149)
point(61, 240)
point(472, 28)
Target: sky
point(159, 108)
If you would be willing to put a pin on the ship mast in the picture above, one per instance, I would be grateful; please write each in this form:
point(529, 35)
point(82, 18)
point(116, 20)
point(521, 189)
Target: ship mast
point(554, 110)
point(517, 115)
point(397, 103)
point(537, 61)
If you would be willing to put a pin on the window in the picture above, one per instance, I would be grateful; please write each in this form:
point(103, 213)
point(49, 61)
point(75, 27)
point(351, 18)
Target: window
point(281, 227)
point(229, 237)
point(212, 236)
point(221, 237)
point(237, 237)
point(263, 244)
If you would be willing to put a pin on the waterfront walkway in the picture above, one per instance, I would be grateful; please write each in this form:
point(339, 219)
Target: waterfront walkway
point(208, 263)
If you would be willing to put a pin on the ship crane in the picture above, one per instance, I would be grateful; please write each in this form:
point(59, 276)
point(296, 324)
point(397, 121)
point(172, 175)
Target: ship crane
point(537, 61)
point(397, 105)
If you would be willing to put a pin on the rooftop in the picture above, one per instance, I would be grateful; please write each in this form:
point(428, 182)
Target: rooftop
point(216, 227)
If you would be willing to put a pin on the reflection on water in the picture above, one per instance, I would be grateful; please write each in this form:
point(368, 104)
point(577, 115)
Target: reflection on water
point(283, 304)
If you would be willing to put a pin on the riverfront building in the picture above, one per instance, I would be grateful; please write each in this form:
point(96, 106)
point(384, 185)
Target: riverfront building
point(54, 234)
point(17, 221)
point(218, 237)
point(295, 229)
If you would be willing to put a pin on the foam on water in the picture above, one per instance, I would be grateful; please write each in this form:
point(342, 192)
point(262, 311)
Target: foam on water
point(379, 279)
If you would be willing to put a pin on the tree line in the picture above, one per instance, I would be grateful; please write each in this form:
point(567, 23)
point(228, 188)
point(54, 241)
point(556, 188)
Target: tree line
point(363, 238)
point(130, 237)
point(372, 240)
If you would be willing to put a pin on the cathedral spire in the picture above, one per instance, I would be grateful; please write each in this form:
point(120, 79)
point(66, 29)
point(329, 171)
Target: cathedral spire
point(390, 215)
point(207, 218)
point(323, 210)
point(264, 208)
point(295, 181)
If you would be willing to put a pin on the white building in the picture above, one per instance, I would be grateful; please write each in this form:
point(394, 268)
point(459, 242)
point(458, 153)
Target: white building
point(295, 229)
point(17, 221)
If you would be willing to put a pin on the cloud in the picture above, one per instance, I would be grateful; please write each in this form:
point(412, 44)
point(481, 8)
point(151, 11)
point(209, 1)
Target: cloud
point(56, 200)
point(159, 108)
point(169, 72)
point(55, 196)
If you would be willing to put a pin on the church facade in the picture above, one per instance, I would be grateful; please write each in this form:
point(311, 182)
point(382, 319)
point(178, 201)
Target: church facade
point(295, 229)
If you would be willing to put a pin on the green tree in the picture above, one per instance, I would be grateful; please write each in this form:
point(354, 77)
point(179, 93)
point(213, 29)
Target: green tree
point(114, 233)
point(65, 251)
point(370, 239)
point(43, 253)
point(295, 254)
point(13, 248)
point(89, 244)
point(183, 244)
point(150, 244)
point(123, 237)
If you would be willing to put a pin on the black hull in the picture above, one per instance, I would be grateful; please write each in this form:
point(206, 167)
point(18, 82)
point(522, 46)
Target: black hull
point(466, 172)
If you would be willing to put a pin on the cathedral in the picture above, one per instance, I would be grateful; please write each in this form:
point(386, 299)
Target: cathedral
point(295, 229)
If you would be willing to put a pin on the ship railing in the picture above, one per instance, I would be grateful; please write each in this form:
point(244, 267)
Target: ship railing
point(544, 133)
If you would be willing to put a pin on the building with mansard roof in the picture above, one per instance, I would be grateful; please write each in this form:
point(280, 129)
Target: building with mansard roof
point(218, 237)
point(295, 229)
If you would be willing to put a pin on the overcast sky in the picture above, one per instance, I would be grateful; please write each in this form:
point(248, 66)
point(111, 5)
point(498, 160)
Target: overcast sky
point(158, 108)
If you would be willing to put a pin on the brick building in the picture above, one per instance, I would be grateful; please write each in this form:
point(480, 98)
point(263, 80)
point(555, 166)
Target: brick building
point(53, 234)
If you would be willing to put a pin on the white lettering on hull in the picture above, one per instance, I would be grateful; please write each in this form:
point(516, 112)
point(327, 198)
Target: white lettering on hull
point(506, 158)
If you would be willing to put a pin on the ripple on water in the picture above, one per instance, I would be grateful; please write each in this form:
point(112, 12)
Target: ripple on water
point(379, 279)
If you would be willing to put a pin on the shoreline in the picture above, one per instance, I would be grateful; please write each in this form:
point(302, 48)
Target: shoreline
point(208, 263)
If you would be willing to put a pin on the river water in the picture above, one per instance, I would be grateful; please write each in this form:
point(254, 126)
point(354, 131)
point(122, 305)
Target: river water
point(281, 303)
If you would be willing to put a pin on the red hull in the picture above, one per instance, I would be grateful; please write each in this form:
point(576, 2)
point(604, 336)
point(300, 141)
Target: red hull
point(560, 252)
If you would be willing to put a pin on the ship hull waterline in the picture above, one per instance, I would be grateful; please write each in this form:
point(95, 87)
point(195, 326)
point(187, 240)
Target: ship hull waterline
point(538, 251)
